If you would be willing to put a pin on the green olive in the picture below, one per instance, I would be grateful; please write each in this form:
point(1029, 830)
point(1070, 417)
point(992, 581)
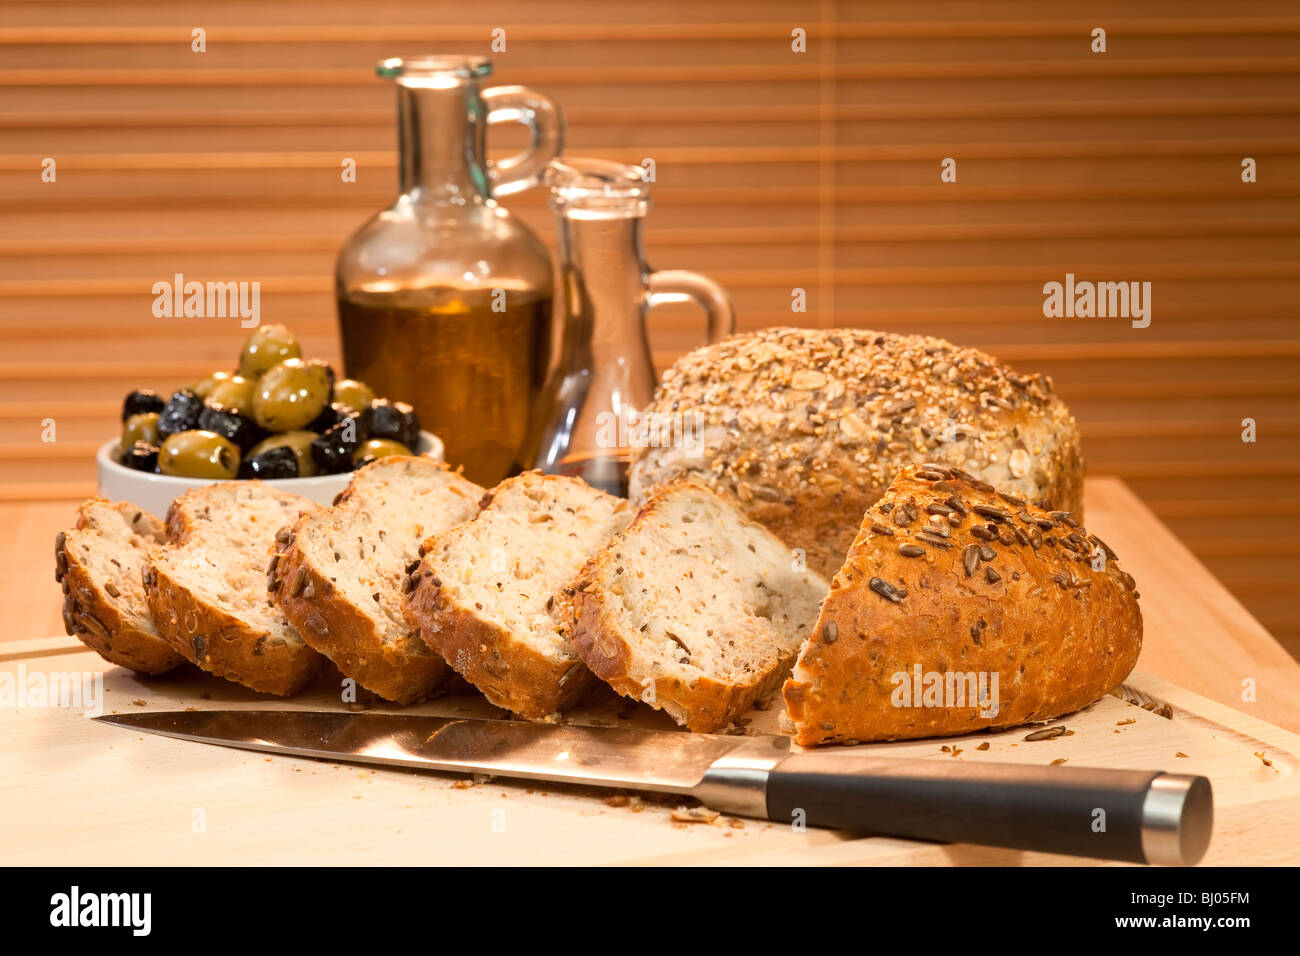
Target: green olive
point(204, 386)
point(141, 427)
point(378, 448)
point(291, 395)
point(233, 392)
point(267, 347)
point(198, 454)
point(356, 395)
point(299, 442)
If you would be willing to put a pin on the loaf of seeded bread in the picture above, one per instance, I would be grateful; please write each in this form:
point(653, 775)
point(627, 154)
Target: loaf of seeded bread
point(207, 586)
point(806, 428)
point(694, 609)
point(485, 593)
point(98, 563)
point(959, 609)
point(339, 573)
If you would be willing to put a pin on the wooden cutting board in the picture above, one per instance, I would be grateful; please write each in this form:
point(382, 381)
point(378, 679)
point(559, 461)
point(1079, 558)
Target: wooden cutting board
point(81, 792)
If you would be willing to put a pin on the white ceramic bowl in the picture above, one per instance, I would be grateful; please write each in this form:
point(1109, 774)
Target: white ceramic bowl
point(154, 493)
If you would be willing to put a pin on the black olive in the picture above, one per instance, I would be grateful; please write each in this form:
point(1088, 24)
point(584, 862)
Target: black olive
point(141, 456)
point(333, 450)
point(180, 414)
point(277, 462)
point(360, 420)
point(395, 420)
point(229, 424)
point(329, 416)
point(140, 401)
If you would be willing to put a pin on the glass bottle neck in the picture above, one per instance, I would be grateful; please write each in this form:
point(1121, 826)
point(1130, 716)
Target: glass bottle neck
point(602, 271)
point(441, 143)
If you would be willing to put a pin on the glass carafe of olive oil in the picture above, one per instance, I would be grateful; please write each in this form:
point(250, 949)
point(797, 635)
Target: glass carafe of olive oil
point(444, 298)
point(588, 417)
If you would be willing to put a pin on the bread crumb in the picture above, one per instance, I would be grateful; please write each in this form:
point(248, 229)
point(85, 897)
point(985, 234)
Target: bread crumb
point(695, 815)
point(1058, 761)
point(140, 702)
point(1267, 762)
point(1179, 753)
point(983, 746)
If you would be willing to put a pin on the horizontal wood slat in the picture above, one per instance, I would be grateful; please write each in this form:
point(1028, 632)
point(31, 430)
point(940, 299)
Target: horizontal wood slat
point(679, 155)
point(740, 278)
point(592, 115)
point(700, 32)
point(741, 235)
point(648, 74)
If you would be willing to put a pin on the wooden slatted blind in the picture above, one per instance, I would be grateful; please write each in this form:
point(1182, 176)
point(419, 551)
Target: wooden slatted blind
point(775, 170)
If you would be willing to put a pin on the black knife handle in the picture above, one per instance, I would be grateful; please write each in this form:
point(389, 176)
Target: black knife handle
point(1133, 815)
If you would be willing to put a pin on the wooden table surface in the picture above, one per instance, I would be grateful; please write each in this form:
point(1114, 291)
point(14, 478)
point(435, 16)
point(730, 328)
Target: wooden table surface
point(1197, 635)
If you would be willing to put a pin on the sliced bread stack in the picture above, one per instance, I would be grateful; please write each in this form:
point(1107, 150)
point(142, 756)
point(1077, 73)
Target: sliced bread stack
point(487, 594)
point(98, 563)
point(207, 586)
point(339, 574)
point(694, 609)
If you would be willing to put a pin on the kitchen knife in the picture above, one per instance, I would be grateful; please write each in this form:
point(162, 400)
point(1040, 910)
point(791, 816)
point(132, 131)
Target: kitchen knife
point(1139, 816)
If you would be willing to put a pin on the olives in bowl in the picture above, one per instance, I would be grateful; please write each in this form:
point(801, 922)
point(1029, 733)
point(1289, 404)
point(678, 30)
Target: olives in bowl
point(276, 417)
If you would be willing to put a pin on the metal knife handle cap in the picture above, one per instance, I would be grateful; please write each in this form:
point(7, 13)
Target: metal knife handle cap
point(1177, 818)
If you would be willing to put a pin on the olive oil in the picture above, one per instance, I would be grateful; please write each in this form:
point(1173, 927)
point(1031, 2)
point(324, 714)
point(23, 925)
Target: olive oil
point(472, 372)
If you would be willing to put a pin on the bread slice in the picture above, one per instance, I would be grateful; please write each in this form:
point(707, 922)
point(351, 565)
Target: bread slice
point(961, 608)
point(694, 609)
point(98, 563)
point(339, 574)
point(207, 586)
point(486, 592)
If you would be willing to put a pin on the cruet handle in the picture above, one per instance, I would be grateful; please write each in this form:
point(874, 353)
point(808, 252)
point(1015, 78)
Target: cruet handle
point(677, 285)
point(545, 122)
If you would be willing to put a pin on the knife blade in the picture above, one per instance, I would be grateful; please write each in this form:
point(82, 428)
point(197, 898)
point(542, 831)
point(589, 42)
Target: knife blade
point(1139, 816)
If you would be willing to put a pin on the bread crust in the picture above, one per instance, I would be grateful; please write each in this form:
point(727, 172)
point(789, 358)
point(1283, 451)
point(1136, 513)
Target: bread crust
point(404, 672)
point(91, 616)
point(704, 705)
point(509, 671)
point(805, 428)
point(510, 674)
point(222, 644)
point(330, 624)
point(1056, 631)
point(212, 637)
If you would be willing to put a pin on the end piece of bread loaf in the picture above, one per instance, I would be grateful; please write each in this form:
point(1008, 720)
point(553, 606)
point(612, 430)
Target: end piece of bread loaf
point(486, 593)
point(806, 428)
point(339, 573)
point(98, 563)
point(949, 577)
point(694, 609)
point(207, 586)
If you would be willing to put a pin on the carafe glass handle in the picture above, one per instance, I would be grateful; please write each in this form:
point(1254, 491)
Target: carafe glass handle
point(677, 285)
point(545, 122)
